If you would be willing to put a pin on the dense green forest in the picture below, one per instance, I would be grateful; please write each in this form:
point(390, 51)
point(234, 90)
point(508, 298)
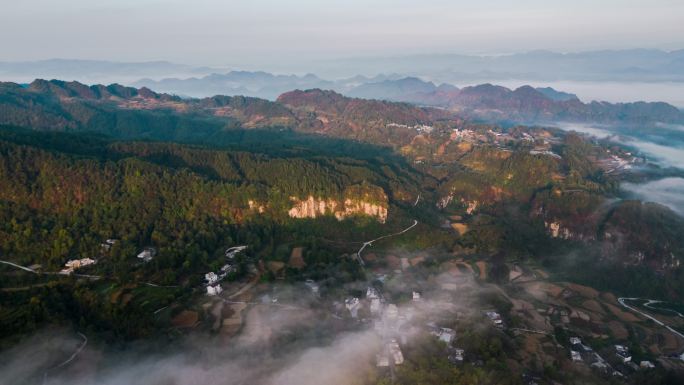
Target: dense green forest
point(79, 165)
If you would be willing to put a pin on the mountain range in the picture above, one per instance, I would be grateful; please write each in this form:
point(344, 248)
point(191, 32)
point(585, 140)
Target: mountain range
point(635, 65)
point(485, 102)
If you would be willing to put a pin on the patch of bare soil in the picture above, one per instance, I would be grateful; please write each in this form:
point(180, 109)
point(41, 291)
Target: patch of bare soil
point(622, 315)
point(185, 319)
point(482, 266)
point(233, 320)
point(618, 330)
point(593, 306)
point(584, 291)
point(542, 273)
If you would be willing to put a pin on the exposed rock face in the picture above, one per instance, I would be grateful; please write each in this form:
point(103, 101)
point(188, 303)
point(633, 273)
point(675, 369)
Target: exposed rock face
point(444, 201)
point(313, 208)
point(470, 206)
point(556, 230)
point(570, 232)
point(253, 205)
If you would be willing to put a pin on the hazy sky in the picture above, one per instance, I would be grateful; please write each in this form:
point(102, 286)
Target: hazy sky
point(229, 32)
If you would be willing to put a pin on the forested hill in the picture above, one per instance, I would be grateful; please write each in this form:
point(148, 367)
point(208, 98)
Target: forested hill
point(125, 112)
point(81, 189)
point(76, 151)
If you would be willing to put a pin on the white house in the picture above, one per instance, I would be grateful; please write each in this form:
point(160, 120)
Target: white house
point(147, 254)
point(447, 335)
point(456, 356)
point(214, 289)
point(352, 304)
point(232, 251)
point(575, 356)
point(371, 293)
point(495, 317)
point(623, 353)
point(211, 277)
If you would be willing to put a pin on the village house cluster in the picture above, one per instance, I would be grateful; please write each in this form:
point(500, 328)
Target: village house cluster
point(74, 264)
point(580, 353)
point(213, 280)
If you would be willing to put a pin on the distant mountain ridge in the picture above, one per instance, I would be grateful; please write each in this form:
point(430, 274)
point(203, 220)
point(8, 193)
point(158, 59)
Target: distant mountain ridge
point(522, 105)
point(484, 102)
point(540, 65)
point(96, 71)
point(255, 83)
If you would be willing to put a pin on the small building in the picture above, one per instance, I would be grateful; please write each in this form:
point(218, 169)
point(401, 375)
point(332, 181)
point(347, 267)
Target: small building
point(228, 268)
point(646, 365)
point(446, 335)
point(456, 355)
point(313, 286)
point(622, 352)
point(74, 264)
point(495, 318)
point(211, 277)
point(577, 345)
point(231, 252)
point(78, 263)
point(395, 352)
point(108, 244)
point(416, 296)
point(214, 289)
point(372, 293)
point(352, 304)
point(147, 254)
point(575, 356)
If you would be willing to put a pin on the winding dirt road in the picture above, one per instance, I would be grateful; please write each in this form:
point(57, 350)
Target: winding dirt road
point(370, 243)
point(622, 300)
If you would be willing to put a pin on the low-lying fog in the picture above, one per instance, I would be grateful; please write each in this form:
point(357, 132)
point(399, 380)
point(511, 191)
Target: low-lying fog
point(663, 144)
point(666, 191)
point(278, 345)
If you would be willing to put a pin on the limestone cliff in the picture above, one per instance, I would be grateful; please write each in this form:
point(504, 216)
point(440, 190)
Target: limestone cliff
point(312, 207)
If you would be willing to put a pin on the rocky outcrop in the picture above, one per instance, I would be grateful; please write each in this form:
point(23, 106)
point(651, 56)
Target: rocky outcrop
point(317, 207)
point(470, 206)
point(556, 230)
point(253, 205)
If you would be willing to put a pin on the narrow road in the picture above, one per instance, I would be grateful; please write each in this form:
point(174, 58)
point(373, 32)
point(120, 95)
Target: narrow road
point(89, 276)
point(532, 331)
point(49, 272)
point(150, 284)
point(622, 300)
point(71, 358)
point(652, 301)
point(19, 267)
point(370, 243)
